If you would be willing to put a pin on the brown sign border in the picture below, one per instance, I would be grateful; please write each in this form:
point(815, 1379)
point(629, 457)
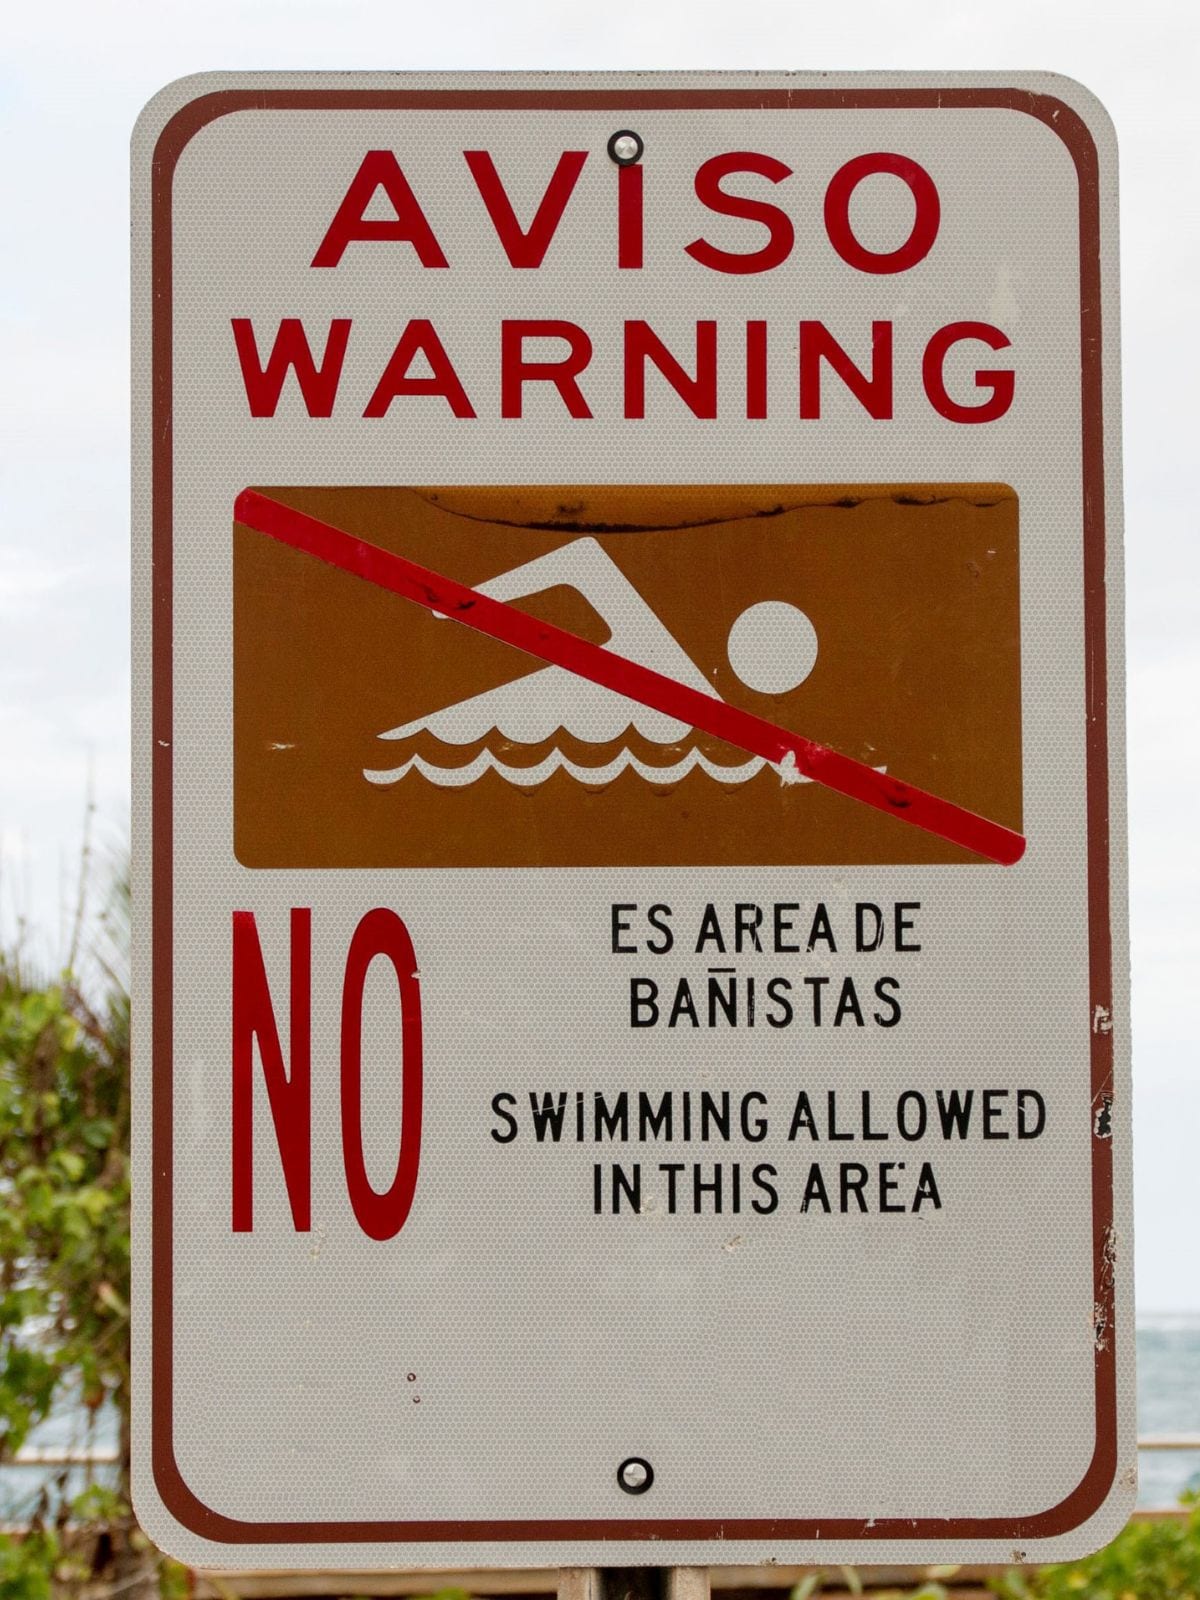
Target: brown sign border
point(1089, 1494)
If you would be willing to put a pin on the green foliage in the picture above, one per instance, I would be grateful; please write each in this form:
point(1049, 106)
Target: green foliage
point(847, 1580)
point(64, 1266)
point(1152, 1560)
point(27, 1565)
point(814, 1582)
point(64, 1203)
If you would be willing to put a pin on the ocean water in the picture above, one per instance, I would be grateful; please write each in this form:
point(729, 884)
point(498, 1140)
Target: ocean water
point(1168, 1370)
point(32, 1491)
point(1168, 1379)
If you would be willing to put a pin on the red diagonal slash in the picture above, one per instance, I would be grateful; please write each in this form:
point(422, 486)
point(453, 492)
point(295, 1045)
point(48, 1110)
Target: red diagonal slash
point(548, 643)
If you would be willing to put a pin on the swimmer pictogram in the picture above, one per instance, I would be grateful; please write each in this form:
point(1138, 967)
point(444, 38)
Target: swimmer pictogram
point(771, 642)
point(684, 661)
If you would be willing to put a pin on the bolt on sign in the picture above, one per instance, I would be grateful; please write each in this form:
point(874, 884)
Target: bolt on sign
point(631, 1026)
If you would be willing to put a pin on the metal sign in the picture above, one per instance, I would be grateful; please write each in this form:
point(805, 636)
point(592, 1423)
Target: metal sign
point(631, 1030)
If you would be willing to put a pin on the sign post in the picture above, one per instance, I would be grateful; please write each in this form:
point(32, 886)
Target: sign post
point(631, 1028)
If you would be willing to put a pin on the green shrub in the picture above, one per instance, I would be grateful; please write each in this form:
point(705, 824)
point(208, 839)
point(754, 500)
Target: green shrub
point(64, 1267)
point(1152, 1560)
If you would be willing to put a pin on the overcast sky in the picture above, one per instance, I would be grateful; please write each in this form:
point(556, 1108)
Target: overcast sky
point(72, 80)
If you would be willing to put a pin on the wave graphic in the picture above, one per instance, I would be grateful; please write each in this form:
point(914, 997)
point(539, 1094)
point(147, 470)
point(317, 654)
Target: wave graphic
point(556, 761)
point(528, 710)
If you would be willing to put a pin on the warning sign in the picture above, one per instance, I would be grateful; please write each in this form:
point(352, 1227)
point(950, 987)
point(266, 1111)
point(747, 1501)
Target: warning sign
point(630, 1027)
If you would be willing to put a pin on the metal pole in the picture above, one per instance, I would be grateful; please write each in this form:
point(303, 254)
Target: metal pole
point(634, 1583)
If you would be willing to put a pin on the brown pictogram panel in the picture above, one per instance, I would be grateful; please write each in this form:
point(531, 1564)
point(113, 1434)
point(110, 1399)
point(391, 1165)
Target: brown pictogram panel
point(880, 620)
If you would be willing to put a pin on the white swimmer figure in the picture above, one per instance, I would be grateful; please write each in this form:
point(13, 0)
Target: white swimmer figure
point(533, 708)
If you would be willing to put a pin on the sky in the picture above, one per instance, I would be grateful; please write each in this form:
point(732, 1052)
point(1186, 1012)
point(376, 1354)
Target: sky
point(72, 80)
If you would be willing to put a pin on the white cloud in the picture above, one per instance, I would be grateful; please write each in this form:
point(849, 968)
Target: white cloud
point(26, 581)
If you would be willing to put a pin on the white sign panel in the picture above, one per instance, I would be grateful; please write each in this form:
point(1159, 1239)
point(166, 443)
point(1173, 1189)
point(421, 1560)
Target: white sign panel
point(631, 1022)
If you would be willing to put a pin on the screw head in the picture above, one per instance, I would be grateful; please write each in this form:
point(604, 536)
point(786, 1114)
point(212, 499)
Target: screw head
point(625, 147)
point(635, 1475)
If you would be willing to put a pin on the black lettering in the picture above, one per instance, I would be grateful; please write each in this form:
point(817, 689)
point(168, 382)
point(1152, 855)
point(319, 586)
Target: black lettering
point(905, 924)
point(888, 1186)
point(620, 926)
point(831, 1103)
point(626, 1187)
point(548, 1115)
point(1024, 1131)
point(700, 1188)
point(651, 1123)
point(714, 1111)
point(778, 990)
point(761, 1177)
point(863, 911)
point(848, 1004)
point(783, 925)
point(611, 1121)
point(814, 1190)
point(802, 1118)
point(821, 931)
point(954, 1112)
point(726, 999)
point(927, 1189)
point(659, 918)
point(683, 1005)
point(499, 1101)
point(911, 1097)
point(852, 1180)
point(868, 1131)
point(747, 921)
point(710, 931)
point(992, 1112)
point(753, 1128)
point(816, 985)
point(643, 1002)
point(893, 1005)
